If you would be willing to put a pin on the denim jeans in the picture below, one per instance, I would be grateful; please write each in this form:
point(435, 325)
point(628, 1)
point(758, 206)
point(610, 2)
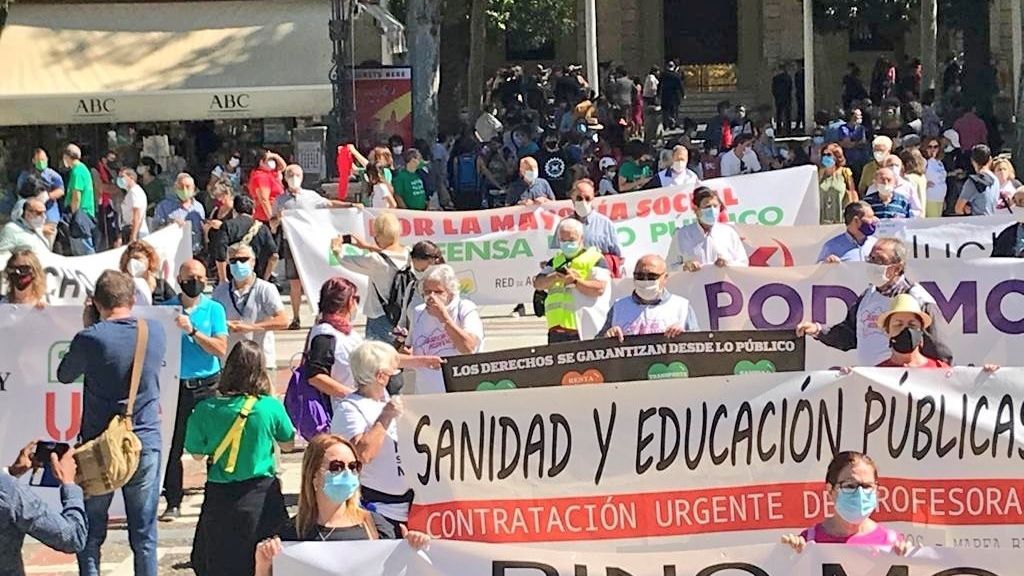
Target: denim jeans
point(82, 247)
point(141, 495)
point(380, 328)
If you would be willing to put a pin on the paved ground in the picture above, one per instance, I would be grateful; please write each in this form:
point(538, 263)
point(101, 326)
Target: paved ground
point(501, 331)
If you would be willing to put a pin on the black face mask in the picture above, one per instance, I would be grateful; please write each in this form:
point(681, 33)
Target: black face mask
point(907, 341)
point(192, 288)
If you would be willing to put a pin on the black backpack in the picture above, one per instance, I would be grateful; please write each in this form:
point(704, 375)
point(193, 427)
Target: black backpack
point(401, 291)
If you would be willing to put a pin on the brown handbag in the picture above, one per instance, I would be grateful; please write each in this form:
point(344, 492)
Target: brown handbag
point(109, 461)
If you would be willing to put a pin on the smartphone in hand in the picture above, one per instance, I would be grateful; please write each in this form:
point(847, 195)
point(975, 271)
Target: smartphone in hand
point(42, 472)
point(346, 239)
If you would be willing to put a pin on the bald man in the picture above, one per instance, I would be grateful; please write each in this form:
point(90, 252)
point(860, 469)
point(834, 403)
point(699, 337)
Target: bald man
point(530, 188)
point(204, 342)
point(79, 202)
point(650, 309)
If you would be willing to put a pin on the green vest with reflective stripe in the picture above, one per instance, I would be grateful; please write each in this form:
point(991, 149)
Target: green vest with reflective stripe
point(559, 308)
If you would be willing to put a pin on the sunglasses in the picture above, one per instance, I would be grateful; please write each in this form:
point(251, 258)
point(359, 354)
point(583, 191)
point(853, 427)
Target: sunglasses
point(646, 276)
point(19, 270)
point(240, 260)
point(335, 466)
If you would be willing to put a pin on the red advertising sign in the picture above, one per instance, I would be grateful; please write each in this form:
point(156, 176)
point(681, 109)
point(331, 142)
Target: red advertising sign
point(383, 98)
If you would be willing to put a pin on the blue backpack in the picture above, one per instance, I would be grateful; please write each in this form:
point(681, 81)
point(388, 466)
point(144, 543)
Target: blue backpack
point(464, 176)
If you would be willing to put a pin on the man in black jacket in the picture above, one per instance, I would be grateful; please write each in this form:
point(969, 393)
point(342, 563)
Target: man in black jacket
point(782, 93)
point(672, 93)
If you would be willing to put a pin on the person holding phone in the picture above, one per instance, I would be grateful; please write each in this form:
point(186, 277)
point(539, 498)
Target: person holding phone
point(23, 513)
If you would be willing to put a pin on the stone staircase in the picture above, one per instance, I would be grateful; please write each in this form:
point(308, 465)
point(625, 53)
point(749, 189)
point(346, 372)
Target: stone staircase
point(701, 105)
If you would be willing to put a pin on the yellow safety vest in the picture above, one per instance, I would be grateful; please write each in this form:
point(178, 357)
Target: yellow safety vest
point(559, 307)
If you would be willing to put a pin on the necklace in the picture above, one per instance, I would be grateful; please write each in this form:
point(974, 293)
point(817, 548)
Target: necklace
point(321, 534)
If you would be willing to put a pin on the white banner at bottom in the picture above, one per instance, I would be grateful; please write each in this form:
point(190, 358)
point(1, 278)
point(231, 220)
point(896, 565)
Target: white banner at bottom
point(458, 558)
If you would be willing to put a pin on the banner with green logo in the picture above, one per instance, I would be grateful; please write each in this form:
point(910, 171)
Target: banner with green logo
point(651, 357)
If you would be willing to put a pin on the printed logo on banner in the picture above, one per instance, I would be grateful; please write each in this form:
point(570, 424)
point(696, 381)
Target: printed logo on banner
point(759, 367)
point(56, 354)
point(467, 282)
point(499, 385)
point(764, 255)
point(658, 371)
point(590, 376)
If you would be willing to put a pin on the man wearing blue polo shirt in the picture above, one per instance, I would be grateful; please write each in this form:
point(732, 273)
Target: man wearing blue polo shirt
point(54, 183)
point(204, 341)
point(856, 242)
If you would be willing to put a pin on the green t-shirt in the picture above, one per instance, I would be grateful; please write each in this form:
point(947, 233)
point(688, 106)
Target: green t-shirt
point(630, 171)
point(409, 187)
point(267, 423)
point(81, 179)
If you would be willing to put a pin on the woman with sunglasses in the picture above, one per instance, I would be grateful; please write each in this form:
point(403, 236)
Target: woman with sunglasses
point(237, 432)
point(852, 480)
point(25, 279)
point(329, 504)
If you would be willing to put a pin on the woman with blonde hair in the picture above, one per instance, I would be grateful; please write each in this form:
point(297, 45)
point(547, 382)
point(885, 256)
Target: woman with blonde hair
point(329, 509)
point(1008, 183)
point(25, 279)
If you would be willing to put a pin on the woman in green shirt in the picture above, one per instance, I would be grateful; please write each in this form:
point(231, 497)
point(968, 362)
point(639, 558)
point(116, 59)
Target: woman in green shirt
point(835, 185)
point(237, 431)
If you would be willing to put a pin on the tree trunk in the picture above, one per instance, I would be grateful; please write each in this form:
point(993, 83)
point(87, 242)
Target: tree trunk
point(477, 54)
point(423, 26)
point(1018, 145)
point(929, 43)
point(978, 74)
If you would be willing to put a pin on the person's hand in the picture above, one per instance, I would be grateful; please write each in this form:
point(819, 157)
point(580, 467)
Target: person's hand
point(691, 266)
point(49, 229)
point(797, 543)
point(428, 362)
point(990, 368)
point(675, 330)
point(393, 409)
point(615, 332)
point(215, 224)
point(418, 540)
point(41, 305)
point(571, 277)
point(541, 200)
point(807, 329)
point(267, 550)
point(721, 263)
point(90, 314)
point(237, 326)
point(179, 222)
point(359, 242)
point(184, 323)
point(527, 202)
point(832, 259)
point(437, 308)
point(844, 370)
point(351, 147)
point(357, 205)
point(65, 468)
point(23, 463)
point(902, 548)
point(336, 244)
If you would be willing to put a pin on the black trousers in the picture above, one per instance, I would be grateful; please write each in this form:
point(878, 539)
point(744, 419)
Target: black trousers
point(556, 336)
point(190, 393)
point(784, 116)
point(234, 518)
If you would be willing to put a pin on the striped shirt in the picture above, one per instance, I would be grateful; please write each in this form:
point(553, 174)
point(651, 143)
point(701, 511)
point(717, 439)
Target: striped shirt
point(897, 207)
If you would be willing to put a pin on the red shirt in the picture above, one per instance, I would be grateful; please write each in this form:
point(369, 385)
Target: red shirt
point(932, 363)
point(262, 179)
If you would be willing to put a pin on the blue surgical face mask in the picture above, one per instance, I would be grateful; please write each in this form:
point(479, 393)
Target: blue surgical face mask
point(855, 507)
point(708, 216)
point(241, 270)
point(121, 183)
point(828, 161)
point(340, 486)
point(569, 248)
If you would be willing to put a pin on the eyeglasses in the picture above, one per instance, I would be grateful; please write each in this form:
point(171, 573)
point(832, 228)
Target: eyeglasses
point(647, 276)
point(851, 487)
point(240, 260)
point(335, 466)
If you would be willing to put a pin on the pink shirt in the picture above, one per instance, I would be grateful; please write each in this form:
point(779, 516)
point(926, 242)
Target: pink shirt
point(880, 536)
point(972, 131)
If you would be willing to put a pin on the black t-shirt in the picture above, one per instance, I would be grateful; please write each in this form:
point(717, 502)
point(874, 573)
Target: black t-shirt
point(554, 167)
point(385, 531)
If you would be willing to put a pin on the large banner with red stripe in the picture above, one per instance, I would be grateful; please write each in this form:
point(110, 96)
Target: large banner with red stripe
point(718, 461)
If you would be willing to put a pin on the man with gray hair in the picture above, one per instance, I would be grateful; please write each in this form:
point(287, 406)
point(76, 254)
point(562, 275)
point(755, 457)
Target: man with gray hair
point(79, 202)
point(182, 208)
point(576, 270)
point(859, 330)
point(252, 305)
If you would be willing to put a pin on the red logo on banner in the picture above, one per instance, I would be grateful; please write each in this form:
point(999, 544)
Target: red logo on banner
point(75, 412)
point(762, 255)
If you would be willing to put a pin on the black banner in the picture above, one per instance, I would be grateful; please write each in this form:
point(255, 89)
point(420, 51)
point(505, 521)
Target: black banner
point(650, 357)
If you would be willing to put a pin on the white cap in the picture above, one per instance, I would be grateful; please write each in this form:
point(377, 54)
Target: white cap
point(606, 162)
point(953, 137)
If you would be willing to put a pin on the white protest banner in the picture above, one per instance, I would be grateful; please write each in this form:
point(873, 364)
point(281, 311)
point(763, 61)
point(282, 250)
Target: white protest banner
point(497, 252)
point(716, 461)
point(388, 558)
point(34, 405)
point(981, 299)
point(926, 239)
point(69, 278)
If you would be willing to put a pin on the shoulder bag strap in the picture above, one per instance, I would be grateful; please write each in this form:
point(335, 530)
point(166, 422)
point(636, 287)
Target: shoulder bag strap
point(141, 339)
point(233, 439)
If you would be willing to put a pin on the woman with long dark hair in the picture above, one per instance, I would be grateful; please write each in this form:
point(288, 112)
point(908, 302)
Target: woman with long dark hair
point(237, 432)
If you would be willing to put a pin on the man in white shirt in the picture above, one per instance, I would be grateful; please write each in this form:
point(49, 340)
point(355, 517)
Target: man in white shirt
point(487, 124)
point(706, 241)
point(650, 309)
point(741, 159)
point(133, 207)
point(677, 174)
point(296, 197)
point(253, 306)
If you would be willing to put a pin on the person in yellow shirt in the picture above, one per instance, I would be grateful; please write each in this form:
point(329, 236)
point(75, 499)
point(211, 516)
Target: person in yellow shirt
point(881, 148)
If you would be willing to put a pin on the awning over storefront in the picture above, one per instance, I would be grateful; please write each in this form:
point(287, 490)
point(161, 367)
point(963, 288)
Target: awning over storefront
point(63, 63)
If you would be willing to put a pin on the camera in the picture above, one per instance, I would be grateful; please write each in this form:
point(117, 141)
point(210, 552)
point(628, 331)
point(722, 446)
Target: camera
point(42, 473)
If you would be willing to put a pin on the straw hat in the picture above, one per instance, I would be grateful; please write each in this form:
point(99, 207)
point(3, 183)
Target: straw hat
point(905, 303)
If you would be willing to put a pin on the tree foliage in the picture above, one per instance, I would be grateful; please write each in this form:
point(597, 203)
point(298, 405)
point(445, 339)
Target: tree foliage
point(544, 19)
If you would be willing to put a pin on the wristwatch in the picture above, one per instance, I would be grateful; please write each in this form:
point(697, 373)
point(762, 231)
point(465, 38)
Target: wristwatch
point(193, 332)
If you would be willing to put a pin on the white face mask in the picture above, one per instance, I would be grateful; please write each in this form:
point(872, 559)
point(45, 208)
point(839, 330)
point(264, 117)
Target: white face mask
point(36, 223)
point(137, 268)
point(648, 290)
point(294, 182)
point(397, 150)
point(678, 166)
point(877, 275)
point(529, 176)
point(582, 208)
point(233, 162)
point(880, 156)
point(272, 164)
point(884, 190)
point(713, 152)
point(418, 274)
